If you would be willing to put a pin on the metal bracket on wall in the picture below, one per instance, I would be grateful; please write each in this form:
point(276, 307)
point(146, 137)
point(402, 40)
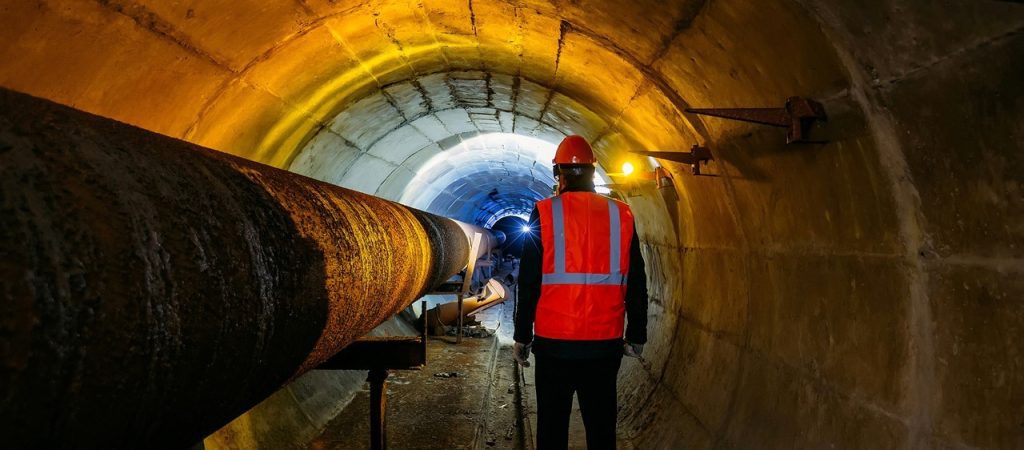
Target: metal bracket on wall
point(798, 115)
point(694, 157)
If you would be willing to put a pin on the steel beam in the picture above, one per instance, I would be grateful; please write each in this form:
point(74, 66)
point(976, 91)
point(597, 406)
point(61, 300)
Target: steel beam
point(694, 157)
point(152, 290)
point(798, 115)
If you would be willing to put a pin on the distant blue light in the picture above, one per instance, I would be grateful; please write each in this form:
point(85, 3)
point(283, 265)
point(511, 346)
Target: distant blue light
point(526, 229)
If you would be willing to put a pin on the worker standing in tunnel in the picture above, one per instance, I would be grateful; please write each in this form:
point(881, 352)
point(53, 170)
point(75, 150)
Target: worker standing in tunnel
point(581, 276)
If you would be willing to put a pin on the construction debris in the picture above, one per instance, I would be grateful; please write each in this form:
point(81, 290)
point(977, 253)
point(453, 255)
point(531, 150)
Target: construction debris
point(477, 331)
point(447, 375)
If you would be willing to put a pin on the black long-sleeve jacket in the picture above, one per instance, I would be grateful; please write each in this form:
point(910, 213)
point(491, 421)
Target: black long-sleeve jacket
point(530, 275)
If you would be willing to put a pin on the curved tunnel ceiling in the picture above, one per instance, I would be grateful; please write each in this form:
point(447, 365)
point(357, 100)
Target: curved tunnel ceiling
point(463, 125)
point(262, 82)
point(801, 295)
point(484, 179)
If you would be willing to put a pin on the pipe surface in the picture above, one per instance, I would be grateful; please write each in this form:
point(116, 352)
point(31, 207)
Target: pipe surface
point(489, 240)
point(152, 290)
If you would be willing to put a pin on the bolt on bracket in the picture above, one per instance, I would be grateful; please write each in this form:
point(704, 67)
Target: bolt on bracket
point(798, 115)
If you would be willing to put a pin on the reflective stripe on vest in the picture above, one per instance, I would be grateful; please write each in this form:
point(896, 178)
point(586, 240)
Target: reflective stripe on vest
point(560, 276)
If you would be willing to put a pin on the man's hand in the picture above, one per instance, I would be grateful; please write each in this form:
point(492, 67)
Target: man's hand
point(521, 353)
point(633, 350)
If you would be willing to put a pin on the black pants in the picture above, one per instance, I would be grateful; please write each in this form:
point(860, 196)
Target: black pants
point(594, 382)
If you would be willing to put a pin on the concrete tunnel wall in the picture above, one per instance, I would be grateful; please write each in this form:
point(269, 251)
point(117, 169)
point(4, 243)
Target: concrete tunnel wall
point(861, 293)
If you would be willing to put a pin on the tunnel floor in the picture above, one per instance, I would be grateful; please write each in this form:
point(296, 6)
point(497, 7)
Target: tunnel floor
point(488, 405)
point(464, 398)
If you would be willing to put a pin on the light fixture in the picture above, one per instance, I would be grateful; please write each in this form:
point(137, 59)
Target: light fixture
point(627, 168)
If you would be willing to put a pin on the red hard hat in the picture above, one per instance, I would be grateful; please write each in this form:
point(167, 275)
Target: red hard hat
point(574, 150)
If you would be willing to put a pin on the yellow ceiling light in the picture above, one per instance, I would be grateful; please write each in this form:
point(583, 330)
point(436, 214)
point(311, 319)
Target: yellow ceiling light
point(627, 168)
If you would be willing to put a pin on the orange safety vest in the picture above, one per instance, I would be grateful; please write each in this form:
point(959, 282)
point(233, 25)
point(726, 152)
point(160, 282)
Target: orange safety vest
point(586, 239)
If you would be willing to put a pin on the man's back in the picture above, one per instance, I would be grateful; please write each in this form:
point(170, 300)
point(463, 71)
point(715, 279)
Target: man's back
point(588, 250)
point(586, 240)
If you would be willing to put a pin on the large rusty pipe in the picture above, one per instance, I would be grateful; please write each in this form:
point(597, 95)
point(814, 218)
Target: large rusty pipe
point(152, 290)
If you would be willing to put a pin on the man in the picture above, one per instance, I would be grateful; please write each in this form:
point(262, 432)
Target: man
point(580, 274)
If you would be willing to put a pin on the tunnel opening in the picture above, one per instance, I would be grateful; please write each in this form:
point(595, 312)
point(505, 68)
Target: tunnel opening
point(515, 228)
point(855, 291)
point(484, 178)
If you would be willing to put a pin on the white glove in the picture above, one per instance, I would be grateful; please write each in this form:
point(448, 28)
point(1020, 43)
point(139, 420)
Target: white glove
point(521, 353)
point(633, 350)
